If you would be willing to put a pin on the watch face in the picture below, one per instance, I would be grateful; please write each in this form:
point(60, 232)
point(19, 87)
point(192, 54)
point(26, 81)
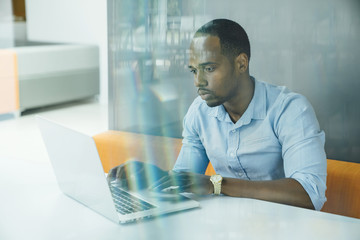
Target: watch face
point(216, 178)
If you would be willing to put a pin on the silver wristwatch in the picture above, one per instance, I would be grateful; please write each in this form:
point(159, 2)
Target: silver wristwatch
point(216, 181)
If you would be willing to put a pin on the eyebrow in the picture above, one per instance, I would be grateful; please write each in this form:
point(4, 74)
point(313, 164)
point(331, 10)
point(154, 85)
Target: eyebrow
point(203, 64)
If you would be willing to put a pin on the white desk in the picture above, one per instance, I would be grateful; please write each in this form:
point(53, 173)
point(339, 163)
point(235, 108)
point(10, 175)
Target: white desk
point(32, 207)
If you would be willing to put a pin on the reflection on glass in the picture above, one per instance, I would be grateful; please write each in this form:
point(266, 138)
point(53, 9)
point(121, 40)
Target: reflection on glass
point(309, 46)
point(148, 45)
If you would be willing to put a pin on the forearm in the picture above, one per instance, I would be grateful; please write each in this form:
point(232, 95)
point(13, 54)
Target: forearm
point(286, 191)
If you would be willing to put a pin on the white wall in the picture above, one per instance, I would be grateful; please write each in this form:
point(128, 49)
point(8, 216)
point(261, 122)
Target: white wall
point(6, 24)
point(71, 21)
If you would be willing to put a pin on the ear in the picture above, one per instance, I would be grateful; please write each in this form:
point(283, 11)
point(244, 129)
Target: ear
point(242, 62)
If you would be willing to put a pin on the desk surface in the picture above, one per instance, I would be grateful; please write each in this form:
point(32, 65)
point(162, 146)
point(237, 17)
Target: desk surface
point(33, 207)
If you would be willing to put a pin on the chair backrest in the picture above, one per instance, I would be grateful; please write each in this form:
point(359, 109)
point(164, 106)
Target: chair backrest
point(343, 188)
point(116, 147)
point(210, 170)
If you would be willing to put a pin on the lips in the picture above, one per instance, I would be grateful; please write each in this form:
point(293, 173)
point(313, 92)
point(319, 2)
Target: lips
point(203, 91)
point(204, 94)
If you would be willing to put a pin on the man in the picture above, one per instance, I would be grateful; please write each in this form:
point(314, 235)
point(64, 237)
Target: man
point(263, 141)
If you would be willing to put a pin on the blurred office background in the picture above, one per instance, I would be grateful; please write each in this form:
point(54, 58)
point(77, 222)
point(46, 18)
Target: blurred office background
point(309, 46)
point(39, 23)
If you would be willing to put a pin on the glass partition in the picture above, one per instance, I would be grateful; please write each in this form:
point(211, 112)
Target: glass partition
point(309, 46)
point(150, 86)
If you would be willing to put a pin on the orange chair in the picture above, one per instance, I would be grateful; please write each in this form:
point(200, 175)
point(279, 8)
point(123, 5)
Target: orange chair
point(115, 148)
point(343, 188)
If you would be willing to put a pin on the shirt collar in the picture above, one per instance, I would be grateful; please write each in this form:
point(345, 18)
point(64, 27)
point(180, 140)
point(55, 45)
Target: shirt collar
point(255, 110)
point(218, 112)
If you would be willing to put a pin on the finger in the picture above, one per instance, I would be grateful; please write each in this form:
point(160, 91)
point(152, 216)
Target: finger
point(180, 178)
point(187, 182)
point(159, 182)
point(112, 174)
point(119, 173)
point(171, 189)
point(122, 170)
point(172, 182)
point(185, 188)
point(162, 183)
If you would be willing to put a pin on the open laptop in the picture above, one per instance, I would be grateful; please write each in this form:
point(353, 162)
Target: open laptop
point(80, 176)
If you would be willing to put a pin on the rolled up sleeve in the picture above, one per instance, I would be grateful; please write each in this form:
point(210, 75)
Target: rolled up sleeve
point(303, 148)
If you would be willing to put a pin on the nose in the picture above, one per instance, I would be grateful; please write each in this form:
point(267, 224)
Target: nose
point(199, 80)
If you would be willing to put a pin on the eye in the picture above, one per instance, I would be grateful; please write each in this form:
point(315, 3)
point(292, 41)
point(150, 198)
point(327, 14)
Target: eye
point(193, 70)
point(209, 68)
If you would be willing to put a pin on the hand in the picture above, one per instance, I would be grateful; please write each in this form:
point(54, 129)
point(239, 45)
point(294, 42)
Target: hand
point(135, 175)
point(184, 182)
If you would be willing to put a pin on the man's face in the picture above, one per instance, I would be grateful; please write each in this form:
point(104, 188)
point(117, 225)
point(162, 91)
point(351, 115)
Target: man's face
point(214, 75)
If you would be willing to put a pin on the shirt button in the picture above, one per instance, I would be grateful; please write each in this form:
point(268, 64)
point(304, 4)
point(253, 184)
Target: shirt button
point(233, 131)
point(232, 154)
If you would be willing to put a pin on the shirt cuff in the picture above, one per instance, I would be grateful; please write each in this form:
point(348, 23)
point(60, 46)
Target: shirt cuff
point(315, 187)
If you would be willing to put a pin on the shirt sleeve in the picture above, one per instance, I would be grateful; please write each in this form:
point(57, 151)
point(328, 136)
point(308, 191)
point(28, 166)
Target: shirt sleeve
point(303, 147)
point(192, 156)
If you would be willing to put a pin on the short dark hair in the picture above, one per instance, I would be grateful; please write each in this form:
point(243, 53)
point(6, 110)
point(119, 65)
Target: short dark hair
point(232, 36)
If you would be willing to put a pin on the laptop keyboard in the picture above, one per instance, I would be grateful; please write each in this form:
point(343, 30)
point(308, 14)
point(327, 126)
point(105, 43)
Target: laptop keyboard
point(126, 203)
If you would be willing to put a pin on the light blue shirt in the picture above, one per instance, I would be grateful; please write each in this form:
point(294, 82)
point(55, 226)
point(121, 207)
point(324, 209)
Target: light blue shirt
point(278, 136)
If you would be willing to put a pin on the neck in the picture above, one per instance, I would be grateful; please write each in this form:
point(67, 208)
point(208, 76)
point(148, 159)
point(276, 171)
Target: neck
point(238, 105)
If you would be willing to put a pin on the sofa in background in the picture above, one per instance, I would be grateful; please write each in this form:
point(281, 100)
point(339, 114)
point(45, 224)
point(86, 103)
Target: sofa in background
point(9, 85)
point(116, 147)
point(42, 75)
